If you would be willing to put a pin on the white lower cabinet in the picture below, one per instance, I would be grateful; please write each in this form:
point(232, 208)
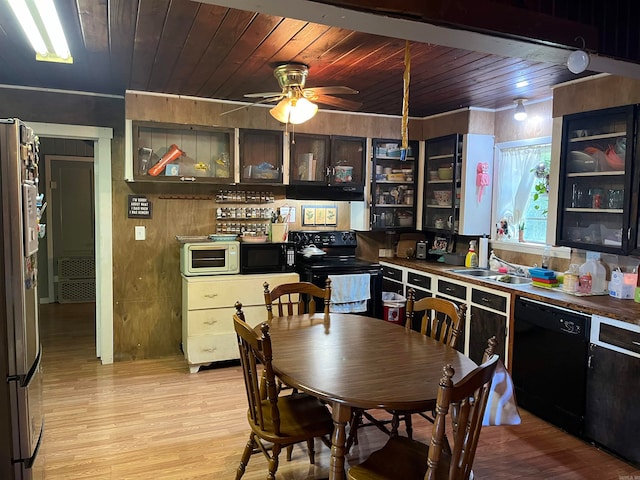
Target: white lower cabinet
point(208, 305)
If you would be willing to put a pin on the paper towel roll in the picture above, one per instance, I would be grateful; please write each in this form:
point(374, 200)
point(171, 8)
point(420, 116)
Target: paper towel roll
point(483, 253)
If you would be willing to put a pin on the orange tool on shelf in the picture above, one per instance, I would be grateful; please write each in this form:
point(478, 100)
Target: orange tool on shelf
point(172, 154)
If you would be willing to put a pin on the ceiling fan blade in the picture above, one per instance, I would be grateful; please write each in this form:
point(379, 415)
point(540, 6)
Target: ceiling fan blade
point(338, 102)
point(266, 100)
point(336, 90)
point(263, 94)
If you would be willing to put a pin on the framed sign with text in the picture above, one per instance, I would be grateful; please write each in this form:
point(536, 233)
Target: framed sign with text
point(139, 207)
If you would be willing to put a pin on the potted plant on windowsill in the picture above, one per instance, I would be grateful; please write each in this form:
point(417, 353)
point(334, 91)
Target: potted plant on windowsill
point(521, 231)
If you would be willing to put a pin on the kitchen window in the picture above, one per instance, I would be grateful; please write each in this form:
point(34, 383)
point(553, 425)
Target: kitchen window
point(521, 179)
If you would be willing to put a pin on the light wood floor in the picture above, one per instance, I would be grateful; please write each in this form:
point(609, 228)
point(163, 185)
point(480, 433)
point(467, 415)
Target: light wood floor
point(151, 419)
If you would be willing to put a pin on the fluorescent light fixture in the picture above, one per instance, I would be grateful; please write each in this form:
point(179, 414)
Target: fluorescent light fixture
point(40, 22)
point(294, 110)
point(522, 84)
point(520, 114)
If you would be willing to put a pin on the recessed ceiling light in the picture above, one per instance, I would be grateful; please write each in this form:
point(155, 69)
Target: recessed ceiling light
point(522, 84)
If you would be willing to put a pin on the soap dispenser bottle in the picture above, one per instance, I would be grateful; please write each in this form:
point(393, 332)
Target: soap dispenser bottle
point(471, 260)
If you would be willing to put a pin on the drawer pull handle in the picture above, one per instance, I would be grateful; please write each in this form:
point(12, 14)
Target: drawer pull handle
point(448, 289)
point(211, 295)
point(485, 299)
point(210, 322)
point(211, 350)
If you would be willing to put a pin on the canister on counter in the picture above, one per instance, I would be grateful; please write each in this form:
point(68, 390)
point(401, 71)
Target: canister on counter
point(571, 277)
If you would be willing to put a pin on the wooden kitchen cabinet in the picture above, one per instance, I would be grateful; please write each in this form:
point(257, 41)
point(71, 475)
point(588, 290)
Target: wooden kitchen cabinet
point(207, 153)
point(261, 156)
point(208, 305)
point(392, 278)
point(326, 167)
point(422, 282)
point(393, 186)
point(457, 190)
point(612, 414)
point(487, 317)
point(597, 204)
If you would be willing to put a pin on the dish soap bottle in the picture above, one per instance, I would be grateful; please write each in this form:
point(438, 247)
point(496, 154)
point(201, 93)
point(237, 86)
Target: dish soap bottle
point(471, 260)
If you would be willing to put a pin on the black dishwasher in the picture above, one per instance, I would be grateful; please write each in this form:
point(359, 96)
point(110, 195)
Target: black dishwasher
point(549, 365)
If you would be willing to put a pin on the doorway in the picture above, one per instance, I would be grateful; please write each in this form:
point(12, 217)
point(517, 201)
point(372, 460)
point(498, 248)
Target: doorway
point(101, 138)
point(70, 217)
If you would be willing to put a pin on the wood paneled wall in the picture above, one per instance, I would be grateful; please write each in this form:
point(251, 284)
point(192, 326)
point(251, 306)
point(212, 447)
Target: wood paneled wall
point(537, 124)
point(194, 111)
point(603, 91)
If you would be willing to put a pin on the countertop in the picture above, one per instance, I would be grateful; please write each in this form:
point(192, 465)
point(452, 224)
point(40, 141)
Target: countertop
point(624, 310)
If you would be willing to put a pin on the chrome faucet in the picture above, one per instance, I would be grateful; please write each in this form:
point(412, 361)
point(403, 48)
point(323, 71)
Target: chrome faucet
point(512, 269)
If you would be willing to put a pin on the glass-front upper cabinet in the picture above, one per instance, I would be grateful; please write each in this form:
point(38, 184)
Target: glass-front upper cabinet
point(261, 157)
point(309, 158)
point(393, 186)
point(327, 160)
point(442, 189)
point(165, 152)
point(594, 205)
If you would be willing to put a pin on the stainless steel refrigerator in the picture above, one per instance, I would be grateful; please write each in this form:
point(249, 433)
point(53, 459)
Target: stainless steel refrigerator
point(21, 418)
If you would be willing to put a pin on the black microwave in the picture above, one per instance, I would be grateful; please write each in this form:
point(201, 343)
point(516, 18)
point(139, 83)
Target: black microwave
point(267, 257)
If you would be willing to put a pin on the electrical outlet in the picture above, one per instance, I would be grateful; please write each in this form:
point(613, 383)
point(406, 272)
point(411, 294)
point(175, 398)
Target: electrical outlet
point(140, 232)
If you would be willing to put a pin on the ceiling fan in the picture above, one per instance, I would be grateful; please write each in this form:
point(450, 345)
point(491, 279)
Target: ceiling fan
point(295, 101)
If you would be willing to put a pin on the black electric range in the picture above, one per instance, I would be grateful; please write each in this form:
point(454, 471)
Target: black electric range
point(339, 259)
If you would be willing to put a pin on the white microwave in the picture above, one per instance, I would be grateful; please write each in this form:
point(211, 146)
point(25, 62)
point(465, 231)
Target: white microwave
point(210, 258)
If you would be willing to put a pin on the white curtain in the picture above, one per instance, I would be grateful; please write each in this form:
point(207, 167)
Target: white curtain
point(514, 180)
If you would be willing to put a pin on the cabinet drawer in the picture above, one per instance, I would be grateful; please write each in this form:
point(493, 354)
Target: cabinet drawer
point(220, 320)
point(620, 337)
point(452, 289)
point(393, 273)
point(422, 281)
point(210, 321)
point(489, 300)
point(212, 348)
point(225, 290)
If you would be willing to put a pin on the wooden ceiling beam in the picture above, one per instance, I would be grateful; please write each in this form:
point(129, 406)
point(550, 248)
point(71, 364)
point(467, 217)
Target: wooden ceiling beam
point(483, 16)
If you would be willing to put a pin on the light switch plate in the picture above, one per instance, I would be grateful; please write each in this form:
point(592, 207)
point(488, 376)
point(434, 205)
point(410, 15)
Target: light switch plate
point(140, 232)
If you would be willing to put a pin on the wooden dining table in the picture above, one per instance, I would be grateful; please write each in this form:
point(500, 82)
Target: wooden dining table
point(353, 361)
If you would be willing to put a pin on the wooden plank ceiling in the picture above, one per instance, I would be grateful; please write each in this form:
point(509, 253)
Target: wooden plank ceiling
point(187, 48)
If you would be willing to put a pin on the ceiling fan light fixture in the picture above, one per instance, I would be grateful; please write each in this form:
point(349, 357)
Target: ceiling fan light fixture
point(520, 113)
point(294, 110)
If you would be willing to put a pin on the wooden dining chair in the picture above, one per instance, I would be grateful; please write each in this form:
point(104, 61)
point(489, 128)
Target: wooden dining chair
point(296, 298)
point(408, 459)
point(441, 320)
point(276, 421)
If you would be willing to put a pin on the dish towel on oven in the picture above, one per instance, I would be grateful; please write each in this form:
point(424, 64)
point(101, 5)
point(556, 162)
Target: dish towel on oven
point(349, 293)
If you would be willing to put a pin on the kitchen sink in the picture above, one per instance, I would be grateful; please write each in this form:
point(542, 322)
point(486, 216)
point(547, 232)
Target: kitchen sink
point(513, 279)
point(491, 275)
point(474, 272)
